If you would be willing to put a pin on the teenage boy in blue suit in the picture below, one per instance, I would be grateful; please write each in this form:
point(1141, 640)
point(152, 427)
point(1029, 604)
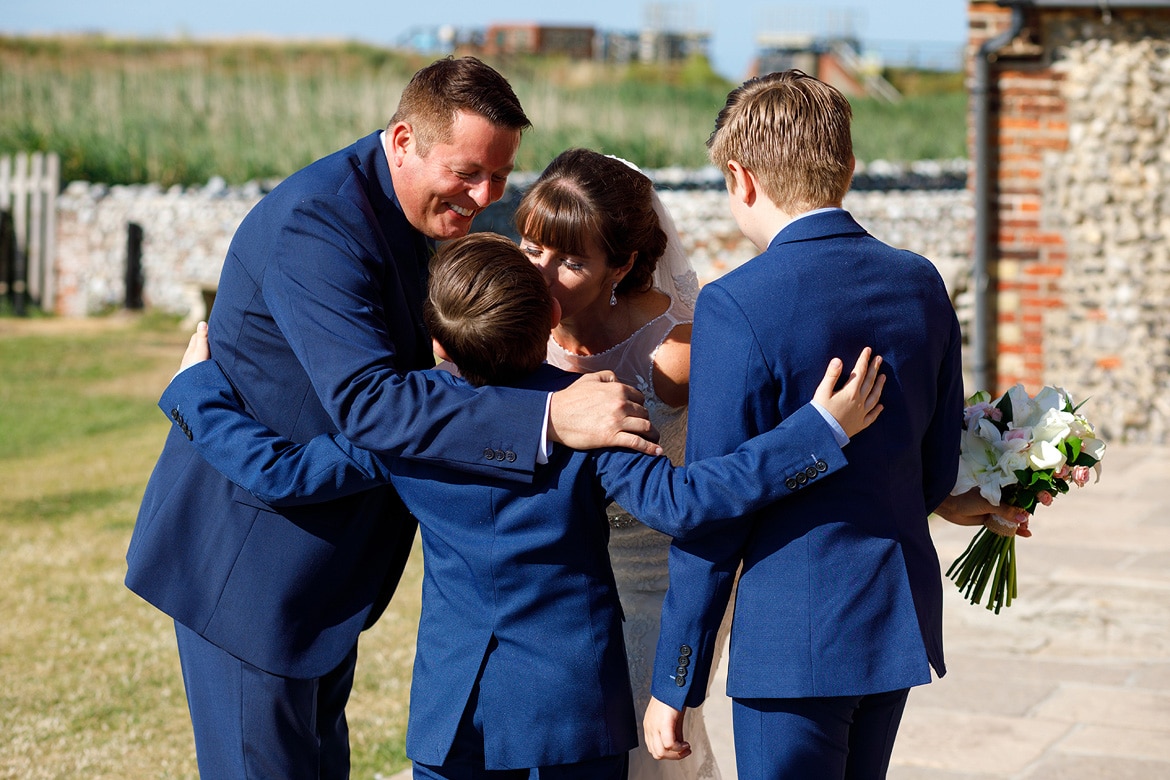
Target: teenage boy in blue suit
point(318, 325)
point(838, 609)
point(520, 662)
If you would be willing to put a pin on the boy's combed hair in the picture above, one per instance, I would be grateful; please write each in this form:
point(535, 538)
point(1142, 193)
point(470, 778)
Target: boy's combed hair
point(585, 196)
point(489, 307)
point(792, 131)
point(436, 93)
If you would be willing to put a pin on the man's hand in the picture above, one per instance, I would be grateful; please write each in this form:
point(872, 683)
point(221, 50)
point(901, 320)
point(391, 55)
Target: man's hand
point(599, 411)
point(855, 406)
point(198, 349)
point(663, 726)
point(971, 508)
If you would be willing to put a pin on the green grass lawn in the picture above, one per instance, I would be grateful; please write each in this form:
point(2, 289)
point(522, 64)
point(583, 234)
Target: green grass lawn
point(91, 682)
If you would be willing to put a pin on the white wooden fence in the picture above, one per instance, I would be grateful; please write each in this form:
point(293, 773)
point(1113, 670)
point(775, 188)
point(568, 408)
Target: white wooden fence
point(29, 184)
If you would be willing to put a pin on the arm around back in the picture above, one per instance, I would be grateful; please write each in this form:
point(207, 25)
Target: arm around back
point(695, 499)
point(201, 402)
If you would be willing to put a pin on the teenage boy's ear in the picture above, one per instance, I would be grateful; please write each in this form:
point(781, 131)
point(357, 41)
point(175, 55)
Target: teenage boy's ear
point(745, 186)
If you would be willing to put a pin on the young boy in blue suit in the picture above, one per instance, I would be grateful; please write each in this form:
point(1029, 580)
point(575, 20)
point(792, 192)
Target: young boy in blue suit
point(520, 662)
point(838, 611)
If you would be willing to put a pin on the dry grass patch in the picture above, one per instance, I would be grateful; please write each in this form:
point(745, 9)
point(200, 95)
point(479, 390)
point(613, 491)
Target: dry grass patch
point(92, 686)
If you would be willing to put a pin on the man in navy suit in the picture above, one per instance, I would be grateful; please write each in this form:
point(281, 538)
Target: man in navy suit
point(838, 609)
point(318, 325)
point(520, 662)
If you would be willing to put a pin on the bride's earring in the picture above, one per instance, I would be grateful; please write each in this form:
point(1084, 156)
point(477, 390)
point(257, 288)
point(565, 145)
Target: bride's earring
point(613, 295)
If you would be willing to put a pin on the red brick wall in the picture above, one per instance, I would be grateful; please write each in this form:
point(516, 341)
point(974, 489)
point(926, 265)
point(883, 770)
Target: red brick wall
point(1028, 114)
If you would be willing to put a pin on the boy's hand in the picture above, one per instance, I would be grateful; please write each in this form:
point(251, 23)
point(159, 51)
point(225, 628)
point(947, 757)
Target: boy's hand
point(198, 349)
point(855, 406)
point(663, 726)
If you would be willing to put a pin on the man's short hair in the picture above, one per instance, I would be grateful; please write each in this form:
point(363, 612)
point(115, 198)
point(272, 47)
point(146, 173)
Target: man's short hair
point(436, 93)
point(792, 131)
point(489, 307)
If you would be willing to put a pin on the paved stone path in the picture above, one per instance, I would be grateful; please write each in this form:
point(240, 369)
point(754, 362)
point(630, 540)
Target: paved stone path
point(1072, 682)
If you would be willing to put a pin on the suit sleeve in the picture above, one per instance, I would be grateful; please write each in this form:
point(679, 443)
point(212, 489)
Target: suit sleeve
point(689, 501)
point(201, 403)
point(328, 290)
point(730, 393)
point(940, 445)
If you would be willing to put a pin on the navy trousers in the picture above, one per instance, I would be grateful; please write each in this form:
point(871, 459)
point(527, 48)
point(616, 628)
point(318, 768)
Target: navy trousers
point(466, 760)
point(252, 724)
point(832, 738)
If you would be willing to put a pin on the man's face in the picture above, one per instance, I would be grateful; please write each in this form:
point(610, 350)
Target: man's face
point(442, 192)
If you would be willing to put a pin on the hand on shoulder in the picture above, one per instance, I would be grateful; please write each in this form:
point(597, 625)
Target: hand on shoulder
point(599, 411)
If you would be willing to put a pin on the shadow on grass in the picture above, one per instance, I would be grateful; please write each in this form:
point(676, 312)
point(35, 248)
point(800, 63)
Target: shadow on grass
point(60, 507)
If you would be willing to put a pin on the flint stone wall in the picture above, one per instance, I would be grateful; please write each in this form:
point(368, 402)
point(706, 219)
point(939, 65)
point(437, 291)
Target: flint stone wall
point(186, 232)
point(1108, 193)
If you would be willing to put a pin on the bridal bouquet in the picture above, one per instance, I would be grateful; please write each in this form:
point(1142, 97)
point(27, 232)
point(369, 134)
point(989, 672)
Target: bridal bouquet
point(1024, 451)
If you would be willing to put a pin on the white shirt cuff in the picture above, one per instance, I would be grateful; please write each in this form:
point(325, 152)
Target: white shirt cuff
point(545, 448)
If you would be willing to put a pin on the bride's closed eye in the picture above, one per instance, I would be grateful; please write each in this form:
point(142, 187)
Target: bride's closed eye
point(537, 252)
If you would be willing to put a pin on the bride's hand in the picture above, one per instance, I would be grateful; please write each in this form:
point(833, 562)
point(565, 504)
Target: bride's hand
point(198, 349)
point(971, 508)
point(855, 406)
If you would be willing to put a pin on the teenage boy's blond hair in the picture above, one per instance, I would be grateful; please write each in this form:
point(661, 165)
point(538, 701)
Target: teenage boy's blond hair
point(792, 131)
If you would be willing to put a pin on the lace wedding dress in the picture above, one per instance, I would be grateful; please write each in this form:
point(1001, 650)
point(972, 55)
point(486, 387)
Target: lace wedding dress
point(638, 553)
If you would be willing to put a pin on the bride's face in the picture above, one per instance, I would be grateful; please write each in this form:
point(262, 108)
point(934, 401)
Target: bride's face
point(581, 283)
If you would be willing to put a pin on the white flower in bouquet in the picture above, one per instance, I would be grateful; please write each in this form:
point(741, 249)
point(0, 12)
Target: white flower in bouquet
point(1020, 450)
point(990, 460)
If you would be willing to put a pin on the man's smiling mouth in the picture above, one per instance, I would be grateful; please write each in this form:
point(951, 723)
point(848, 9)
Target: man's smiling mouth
point(461, 211)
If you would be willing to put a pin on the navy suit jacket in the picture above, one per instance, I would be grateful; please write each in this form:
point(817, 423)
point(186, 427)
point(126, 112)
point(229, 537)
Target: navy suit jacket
point(317, 323)
point(519, 603)
point(840, 592)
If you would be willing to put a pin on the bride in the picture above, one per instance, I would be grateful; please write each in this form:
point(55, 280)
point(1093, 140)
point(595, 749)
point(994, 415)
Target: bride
point(611, 254)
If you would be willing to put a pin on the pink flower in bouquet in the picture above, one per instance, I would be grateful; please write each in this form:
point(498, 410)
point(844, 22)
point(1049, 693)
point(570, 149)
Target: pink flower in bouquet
point(1080, 475)
point(1044, 498)
point(1018, 435)
point(977, 411)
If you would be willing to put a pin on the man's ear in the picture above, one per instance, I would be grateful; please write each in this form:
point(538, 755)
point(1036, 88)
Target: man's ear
point(400, 141)
point(440, 353)
point(744, 186)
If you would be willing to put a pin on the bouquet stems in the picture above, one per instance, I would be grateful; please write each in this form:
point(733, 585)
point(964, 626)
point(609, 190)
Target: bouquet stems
point(990, 559)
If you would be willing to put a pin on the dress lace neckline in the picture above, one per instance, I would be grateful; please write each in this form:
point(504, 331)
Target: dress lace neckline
point(552, 339)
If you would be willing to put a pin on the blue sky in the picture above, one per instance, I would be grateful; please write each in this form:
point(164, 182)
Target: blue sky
point(930, 26)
